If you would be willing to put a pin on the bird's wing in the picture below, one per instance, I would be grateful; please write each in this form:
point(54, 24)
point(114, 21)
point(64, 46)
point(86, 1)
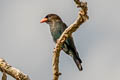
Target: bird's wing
point(69, 43)
point(69, 48)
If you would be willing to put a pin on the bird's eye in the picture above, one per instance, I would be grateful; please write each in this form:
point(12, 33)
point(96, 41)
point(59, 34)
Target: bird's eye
point(46, 17)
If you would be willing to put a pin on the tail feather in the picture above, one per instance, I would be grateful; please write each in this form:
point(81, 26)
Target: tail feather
point(78, 63)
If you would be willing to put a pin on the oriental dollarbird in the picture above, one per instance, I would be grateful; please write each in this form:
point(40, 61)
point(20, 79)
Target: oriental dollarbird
point(57, 27)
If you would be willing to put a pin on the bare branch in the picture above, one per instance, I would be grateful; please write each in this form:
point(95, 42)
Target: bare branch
point(4, 76)
point(15, 73)
point(82, 17)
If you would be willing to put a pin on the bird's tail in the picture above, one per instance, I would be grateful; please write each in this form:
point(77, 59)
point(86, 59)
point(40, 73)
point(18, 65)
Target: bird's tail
point(78, 62)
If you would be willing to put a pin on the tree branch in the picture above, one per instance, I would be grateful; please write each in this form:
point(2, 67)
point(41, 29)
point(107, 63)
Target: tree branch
point(82, 17)
point(4, 76)
point(15, 73)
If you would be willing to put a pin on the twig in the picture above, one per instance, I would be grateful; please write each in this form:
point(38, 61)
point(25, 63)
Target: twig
point(82, 17)
point(15, 73)
point(4, 76)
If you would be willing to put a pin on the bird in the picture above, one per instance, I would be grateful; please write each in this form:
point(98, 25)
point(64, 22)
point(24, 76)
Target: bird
point(57, 27)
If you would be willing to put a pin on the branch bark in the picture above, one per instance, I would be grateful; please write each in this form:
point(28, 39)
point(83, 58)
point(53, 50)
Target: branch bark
point(15, 73)
point(82, 17)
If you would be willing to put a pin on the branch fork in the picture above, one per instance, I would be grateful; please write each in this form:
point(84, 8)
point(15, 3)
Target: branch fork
point(5, 68)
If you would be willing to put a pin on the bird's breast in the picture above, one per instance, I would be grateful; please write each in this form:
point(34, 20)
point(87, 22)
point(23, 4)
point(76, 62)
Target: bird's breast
point(55, 31)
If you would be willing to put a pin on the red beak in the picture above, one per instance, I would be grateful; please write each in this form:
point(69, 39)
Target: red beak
point(43, 20)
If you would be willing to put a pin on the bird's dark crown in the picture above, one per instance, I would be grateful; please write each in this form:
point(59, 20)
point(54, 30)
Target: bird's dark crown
point(51, 17)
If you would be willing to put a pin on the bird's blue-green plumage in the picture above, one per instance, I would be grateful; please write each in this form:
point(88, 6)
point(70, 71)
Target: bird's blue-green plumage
point(57, 27)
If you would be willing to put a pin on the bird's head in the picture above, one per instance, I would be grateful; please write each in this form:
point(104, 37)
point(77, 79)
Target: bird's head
point(50, 18)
